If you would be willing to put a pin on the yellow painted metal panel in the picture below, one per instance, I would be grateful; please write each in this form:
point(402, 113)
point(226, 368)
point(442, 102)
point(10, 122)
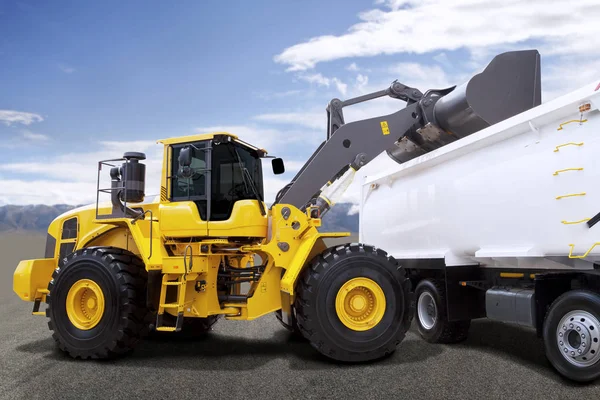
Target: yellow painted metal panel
point(181, 219)
point(245, 221)
point(33, 276)
point(193, 138)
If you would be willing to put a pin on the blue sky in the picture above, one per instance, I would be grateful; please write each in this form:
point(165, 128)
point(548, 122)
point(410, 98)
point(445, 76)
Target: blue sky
point(81, 81)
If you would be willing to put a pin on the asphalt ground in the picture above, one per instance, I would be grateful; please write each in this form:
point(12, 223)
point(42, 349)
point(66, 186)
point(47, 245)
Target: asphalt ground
point(259, 359)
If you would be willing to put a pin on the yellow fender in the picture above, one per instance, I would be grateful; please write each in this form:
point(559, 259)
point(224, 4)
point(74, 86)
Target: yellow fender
point(294, 241)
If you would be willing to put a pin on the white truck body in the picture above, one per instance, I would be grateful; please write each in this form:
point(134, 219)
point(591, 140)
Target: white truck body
point(517, 194)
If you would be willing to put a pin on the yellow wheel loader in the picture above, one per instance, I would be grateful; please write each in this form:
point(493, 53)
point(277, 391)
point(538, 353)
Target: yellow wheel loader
point(210, 247)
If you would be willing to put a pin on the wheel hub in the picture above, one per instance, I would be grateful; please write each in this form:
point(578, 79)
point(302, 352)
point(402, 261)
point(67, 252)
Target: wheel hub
point(85, 304)
point(577, 337)
point(426, 310)
point(360, 304)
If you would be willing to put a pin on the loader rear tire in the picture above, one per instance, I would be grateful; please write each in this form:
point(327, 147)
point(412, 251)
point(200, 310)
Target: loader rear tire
point(353, 303)
point(432, 317)
point(96, 304)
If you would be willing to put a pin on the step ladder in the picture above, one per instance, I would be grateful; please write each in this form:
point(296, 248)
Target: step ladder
point(38, 300)
point(167, 280)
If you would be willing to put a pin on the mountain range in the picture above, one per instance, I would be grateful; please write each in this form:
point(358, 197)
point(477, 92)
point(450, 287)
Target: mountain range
point(38, 217)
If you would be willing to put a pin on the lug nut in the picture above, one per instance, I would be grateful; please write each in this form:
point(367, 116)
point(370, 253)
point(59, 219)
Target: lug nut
point(583, 335)
point(579, 351)
point(578, 328)
point(565, 327)
point(566, 350)
point(560, 334)
point(571, 326)
point(561, 343)
point(572, 353)
point(582, 344)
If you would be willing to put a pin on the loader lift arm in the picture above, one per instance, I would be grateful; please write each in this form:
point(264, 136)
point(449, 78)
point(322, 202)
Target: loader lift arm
point(355, 143)
point(509, 85)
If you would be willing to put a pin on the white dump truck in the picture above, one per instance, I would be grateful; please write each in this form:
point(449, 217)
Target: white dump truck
point(502, 224)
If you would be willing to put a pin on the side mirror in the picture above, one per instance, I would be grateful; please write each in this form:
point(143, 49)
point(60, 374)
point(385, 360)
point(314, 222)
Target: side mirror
point(185, 157)
point(278, 167)
point(185, 161)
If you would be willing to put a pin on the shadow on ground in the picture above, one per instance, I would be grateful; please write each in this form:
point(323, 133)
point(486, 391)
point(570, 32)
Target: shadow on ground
point(215, 351)
point(218, 352)
point(515, 344)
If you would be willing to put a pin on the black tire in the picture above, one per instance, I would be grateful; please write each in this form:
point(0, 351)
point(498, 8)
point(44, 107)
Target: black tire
point(293, 328)
point(315, 303)
point(440, 330)
point(573, 301)
point(122, 277)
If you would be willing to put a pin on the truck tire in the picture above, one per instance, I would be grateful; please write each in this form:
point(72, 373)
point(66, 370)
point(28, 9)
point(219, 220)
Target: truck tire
point(353, 303)
point(431, 315)
point(572, 335)
point(96, 305)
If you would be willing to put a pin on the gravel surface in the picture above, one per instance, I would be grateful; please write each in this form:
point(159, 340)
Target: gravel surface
point(259, 358)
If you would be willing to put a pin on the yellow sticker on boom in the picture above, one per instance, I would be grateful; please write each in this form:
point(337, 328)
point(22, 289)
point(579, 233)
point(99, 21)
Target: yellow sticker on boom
point(384, 128)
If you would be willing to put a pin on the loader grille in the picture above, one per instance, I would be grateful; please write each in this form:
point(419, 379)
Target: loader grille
point(69, 230)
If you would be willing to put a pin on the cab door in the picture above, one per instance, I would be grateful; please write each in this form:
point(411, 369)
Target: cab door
point(186, 211)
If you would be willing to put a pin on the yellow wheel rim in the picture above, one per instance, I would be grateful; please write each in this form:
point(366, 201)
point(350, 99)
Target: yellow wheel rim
point(85, 304)
point(360, 304)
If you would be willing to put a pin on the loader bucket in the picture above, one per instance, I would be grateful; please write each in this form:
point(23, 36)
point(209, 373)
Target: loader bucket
point(509, 85)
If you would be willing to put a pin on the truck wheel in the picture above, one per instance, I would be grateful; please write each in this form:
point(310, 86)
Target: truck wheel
point(353, 303)
point(96, 302)
point(572, 335)
point(432, 318)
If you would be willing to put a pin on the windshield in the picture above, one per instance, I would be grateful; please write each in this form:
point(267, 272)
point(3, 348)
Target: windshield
point(228, 182)
point(224, 183)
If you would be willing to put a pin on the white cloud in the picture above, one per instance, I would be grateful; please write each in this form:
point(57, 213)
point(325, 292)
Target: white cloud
point(341, 86)
point(458, 24)
point(70, 178)
point(566, 76)
point(362, 82)
point(9, 117)
point(321, 80)
point(15, 191)
point(442, 58)
point(311, 119)
point(421, 76)
point(36, 137)
point(66, 69)
point(315, 78)
point(353, 67)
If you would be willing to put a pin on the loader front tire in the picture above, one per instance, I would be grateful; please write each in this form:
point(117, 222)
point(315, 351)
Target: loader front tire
point(353, 303)
point(96, 304)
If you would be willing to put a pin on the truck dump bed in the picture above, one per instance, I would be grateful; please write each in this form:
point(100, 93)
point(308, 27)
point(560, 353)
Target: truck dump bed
point(523, 192)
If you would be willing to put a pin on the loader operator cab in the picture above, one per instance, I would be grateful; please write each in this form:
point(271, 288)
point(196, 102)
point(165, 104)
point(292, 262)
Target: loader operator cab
point(216, 173)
